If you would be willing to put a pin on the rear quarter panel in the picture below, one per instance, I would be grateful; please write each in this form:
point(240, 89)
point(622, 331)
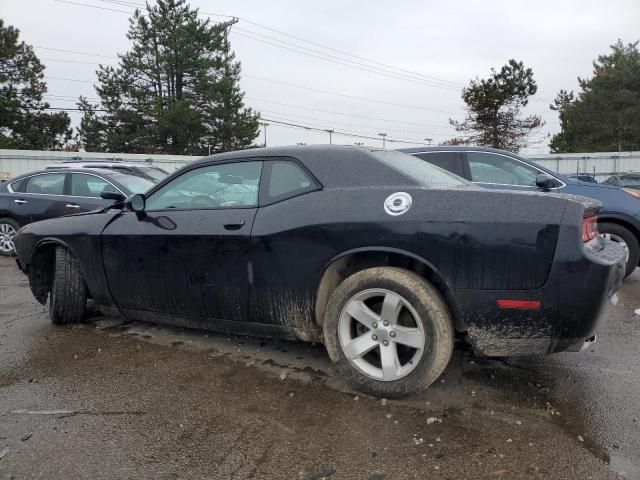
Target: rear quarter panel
point(471, 237)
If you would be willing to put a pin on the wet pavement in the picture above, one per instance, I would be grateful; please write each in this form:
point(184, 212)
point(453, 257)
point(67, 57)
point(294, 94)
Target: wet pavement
point(111, 399)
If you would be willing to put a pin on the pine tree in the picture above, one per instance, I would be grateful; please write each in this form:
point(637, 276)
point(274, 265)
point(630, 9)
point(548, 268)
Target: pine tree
point(605, 114)
point(24, 121)
point(175, 91)
point(494, 109)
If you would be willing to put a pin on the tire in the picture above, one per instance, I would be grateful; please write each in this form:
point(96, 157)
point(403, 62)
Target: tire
point(68, 298)
point(8, 228)
point(416, 309)
point(618, 233)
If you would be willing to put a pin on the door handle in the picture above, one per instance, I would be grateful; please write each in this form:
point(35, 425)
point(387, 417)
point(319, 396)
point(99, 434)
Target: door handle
point(72, 205)
point(20, 202)
point(234, 226)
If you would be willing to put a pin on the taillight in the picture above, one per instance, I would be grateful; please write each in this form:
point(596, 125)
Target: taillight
point(589, 228)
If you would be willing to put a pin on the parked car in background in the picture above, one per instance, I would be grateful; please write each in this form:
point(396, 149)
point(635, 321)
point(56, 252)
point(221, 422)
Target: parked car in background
point(628, 180)
point(583, 177)
point(53, 193)
point(377, 254)
point(145, 170)
point(618, 220)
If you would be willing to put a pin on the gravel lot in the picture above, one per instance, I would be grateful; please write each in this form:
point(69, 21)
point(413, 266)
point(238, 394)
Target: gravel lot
point(111, 399)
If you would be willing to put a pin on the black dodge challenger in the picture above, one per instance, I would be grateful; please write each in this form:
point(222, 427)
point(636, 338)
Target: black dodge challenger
point(377, 254)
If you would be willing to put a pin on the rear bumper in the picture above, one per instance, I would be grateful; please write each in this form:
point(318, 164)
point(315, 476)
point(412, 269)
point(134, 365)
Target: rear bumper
point(560, 316)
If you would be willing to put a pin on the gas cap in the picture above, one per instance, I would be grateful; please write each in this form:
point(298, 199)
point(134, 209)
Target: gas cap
point(398, 203)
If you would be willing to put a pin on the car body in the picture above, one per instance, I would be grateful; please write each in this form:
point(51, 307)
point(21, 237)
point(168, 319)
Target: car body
point(52, 193)
point(627, 180)
point(619, 218)
point(339, 245)
point(149, 171)
point(583, 177)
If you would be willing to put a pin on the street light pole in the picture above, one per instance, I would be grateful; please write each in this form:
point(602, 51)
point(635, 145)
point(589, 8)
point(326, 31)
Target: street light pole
point(330, 132)
point(264, 127)
point(384, 140)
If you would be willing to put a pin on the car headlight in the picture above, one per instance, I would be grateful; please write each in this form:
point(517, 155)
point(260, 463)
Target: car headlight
point(631, 191)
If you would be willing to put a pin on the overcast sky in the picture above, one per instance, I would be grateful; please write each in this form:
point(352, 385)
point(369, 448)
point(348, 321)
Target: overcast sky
point(438, 45)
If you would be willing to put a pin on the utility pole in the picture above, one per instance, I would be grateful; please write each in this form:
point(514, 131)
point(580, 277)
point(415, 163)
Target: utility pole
point(428, 140)
point(264, 128)
point(384, 140)
point(330, 132)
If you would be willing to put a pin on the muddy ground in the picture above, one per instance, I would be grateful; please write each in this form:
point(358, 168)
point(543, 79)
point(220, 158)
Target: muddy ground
point(116, 400)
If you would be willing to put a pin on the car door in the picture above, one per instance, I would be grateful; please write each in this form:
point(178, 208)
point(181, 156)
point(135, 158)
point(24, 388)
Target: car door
point(447, 160)
point(85, 190)
point(495, 170)
point(285, 251)
point(40, 197)
point(188, 254)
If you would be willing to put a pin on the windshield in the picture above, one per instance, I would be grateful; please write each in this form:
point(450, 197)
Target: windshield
point(154, 172)
point(134, 183)
point(419, 170)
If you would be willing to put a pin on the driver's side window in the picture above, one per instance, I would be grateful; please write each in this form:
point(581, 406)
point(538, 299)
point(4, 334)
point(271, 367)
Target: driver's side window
point(227, 185)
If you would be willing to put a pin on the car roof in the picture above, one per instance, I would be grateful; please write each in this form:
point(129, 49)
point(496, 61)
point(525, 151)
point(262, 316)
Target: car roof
point(335, 166)
point(455, 148)
point(95, 164)
point(101, 171)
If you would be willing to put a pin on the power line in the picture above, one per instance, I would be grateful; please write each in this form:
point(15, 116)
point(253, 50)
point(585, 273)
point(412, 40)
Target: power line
point(333, 112)
point(364, 99)
point(417, 76)
point(75, 52)
point(272, 112)
point(92, 6)
point(326, 92)
point(280, 122)
point(337, 60)
point(341, 52)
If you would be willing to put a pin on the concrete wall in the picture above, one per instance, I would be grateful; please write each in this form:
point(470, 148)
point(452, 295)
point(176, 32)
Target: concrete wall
point(16, 162)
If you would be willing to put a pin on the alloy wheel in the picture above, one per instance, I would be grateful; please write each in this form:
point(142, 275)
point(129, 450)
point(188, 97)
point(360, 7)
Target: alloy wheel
point(381, 334)
point(6, 238)
point(615, 238)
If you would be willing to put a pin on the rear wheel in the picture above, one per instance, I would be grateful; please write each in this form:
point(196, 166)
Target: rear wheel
point(619, 234)
point(389, 331)
point(8, 229)
point(68, 299)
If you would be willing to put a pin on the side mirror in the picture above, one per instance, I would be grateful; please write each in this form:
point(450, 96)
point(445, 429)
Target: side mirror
point(136, 203)
point(115, 196)
point(546, 182)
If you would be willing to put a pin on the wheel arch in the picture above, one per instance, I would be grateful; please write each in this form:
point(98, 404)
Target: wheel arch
point(351, 261)
point(41, 266)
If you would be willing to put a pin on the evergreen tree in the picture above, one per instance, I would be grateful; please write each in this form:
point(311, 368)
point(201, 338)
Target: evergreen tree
point(24, 122)
point(605, 114)
point(175, 91)
point(494, 109)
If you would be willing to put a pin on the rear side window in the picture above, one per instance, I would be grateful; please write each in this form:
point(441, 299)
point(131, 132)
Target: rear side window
point(285, 179)
point(83, 185)
point(424, 173)
point(488, 167)
point(47, 184)
point(17, 185)
point(446, 160)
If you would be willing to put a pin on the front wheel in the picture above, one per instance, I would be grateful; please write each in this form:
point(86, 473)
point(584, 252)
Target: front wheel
point(619, 234)
point(8, 229)
point(68, 298)
point(389, 331)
